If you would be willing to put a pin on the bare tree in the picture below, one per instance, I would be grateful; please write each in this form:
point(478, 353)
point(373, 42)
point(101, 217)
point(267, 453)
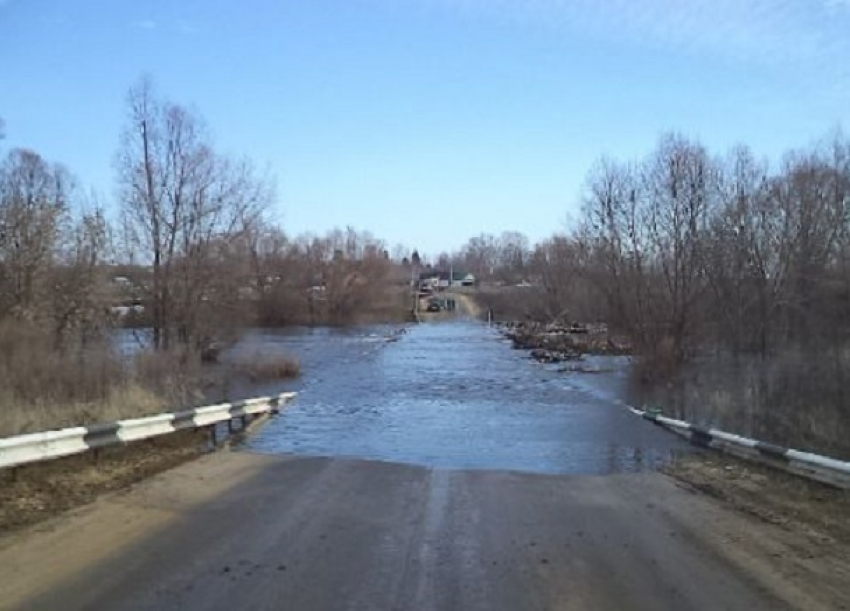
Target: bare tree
point(646, 226)
point(679, 179)
point(79, 296)
point(34, 200)
point(556, 265)
point(513, 251)
point(734, 251)
point(184, 207)
point(480, 255)
point(620, 257)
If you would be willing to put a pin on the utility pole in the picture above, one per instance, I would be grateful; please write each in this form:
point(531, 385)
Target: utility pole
point(414, 283)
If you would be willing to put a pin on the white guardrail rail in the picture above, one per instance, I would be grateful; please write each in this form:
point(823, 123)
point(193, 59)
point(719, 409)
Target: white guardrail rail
point(35, 447)
point(811, 466)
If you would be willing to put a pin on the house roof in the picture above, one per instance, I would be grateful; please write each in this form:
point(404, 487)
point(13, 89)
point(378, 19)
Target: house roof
point(444, 275)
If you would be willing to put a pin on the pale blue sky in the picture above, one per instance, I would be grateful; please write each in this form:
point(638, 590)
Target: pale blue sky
point(428, 121)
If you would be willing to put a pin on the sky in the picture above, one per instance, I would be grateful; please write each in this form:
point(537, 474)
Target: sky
point(427, 121)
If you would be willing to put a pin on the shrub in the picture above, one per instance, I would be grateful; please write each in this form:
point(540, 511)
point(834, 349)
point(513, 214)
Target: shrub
point(262, 368)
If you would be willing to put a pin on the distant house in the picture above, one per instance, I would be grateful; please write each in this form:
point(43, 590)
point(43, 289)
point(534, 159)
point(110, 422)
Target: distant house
point(463, 279)
point(429, 279)
point(444, 279)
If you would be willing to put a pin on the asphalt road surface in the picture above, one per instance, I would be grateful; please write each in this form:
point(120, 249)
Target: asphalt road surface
point(245, 531)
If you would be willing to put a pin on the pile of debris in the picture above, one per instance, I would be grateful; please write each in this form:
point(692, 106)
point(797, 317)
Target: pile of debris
point(556, 342)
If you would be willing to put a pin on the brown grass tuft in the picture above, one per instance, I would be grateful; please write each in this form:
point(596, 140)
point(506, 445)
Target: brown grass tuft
point(268, 368)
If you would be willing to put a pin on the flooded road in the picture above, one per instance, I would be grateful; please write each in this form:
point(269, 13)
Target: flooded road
point(478, 492)
point(452, 395)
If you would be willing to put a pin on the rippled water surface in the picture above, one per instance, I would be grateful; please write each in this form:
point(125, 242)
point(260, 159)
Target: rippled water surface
point(453, 395)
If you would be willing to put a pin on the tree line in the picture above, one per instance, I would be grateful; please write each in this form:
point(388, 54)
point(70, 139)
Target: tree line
point(690, 249)
point(686, 251)
point(191, 235)
point(680, 250)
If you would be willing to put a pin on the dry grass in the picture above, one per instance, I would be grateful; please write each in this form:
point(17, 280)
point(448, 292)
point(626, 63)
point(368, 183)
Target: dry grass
point(33, 369)
point(262, 368)
point(123, 401)
point(177, 376)
point(44, 388)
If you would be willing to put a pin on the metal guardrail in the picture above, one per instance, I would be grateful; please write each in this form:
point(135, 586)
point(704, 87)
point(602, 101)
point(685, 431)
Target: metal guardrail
point(811, 466)
point(36, 447)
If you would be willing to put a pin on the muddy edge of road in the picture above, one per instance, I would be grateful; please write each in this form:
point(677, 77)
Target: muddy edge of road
point(33, 493)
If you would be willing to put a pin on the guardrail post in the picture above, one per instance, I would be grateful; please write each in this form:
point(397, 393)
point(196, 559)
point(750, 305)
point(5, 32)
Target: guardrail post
point(244, 421)
point(230, 426)
point(213, 436)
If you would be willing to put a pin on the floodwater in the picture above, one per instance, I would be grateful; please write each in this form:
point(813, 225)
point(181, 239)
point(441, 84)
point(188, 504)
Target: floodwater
point(452, 395)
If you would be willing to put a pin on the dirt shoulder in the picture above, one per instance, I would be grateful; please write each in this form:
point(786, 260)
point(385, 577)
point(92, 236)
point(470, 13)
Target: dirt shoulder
point(792, 503)
point(32, 493)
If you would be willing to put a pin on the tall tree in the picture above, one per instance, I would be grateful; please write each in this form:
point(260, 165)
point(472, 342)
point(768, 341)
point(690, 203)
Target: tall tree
point(184, 208)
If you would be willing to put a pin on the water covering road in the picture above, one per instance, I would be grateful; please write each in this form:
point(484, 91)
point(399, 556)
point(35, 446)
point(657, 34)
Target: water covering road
point(454, 395)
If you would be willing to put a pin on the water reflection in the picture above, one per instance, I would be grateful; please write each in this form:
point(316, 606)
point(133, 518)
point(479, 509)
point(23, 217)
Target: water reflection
point(452, 395)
